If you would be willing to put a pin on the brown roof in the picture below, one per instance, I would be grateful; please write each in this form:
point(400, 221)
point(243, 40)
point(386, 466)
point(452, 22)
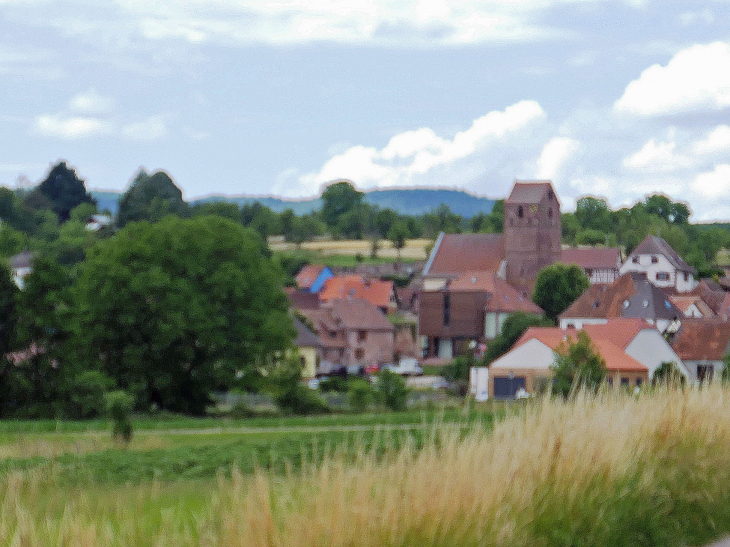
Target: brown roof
point(702, 339)
point(22, 260)
point(502, 296)
point(329, 330)
point(614, 355)
point(355, 313)
point(377, 292)
point(454, 254)
point(305, 337)
point(684, 302)
point(631, 295)
point(308, 275)
point(302, 300)
point(531, 191)
point(592, 257)
point(653, 245)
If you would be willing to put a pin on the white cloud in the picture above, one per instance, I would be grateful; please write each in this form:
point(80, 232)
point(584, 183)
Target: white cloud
point(411, 155)
point(693, 17)
point(555, 155)
point(695, 79)
point(151, 129)
point(75, 127)
point(657, 157)
point(713, 184)
point(717, 140)
point(91, 102)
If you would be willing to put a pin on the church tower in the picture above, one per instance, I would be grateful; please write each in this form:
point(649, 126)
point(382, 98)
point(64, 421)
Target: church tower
point(532, 231)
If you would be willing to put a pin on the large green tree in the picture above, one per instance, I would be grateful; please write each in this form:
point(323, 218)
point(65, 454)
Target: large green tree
point(338, 199)
point(175, 309)
point(150, 197)
point(557, 286)
point(64, 190)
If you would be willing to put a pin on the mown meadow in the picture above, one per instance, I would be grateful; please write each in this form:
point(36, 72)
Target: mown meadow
point(613, 469)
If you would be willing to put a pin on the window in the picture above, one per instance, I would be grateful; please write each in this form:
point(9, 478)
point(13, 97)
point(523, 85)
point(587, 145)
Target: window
point(362, 335)
point(686, 276)
point(550, 212)
point(638, 382)
point(359, 354)
point(624, 381)
point(654, 259)
point(704, 373)
point(447, 309)
point(520, 211)
point(662, 276)
point(635, 260)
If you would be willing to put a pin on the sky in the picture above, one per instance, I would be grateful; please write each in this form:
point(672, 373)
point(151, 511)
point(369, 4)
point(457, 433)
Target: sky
point(614, 99)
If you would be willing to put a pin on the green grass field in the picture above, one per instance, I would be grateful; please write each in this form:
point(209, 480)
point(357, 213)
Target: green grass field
point(612, 470)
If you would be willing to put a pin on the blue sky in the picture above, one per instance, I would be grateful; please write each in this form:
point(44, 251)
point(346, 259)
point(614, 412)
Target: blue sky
point(609, 98)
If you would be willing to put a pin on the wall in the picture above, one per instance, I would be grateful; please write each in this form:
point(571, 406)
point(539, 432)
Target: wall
point(676, 279)
point(650, 349)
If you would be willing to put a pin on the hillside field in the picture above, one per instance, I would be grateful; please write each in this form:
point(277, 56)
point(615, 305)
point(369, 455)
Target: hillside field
point(415, 249)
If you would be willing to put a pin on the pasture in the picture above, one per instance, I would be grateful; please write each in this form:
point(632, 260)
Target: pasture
point(415, 249)
point(615, 469)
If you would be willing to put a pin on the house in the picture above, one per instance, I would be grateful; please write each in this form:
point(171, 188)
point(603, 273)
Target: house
point(352, 331)
point(469, 310)
point(311, 277)
point(309, 347)
point(632, 349)
point(380, 294)
point(21, 265)
point(701, 343)
point(454, 254)
point(600, 264)
point(630, 296)
point(661, 264)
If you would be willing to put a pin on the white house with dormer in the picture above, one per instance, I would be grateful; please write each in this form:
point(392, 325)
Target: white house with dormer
point(661, 264)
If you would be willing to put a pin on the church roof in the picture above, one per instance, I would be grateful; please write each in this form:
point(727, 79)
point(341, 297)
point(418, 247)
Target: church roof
point(529, 191)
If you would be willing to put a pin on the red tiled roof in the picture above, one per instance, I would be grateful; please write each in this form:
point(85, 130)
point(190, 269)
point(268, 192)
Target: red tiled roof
point(355, 313)
point(454, 254)
point(308, 275)
point(684, 302)
point(503, 297)
point(377, 292)
point(616, 358)
point(702, 339)
point(620, 331)
point(530, 191)
point(592, 257)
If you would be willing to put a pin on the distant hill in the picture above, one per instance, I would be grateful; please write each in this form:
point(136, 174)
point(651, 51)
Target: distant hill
point(413, 201)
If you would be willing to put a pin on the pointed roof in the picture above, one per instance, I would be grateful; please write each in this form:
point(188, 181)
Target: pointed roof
point(305, 337)
point(375, 291)
point(23, 259)
point(503, 297)
point(614, 355)
point(308, 275)
point(530, 191)
point(592, 257)
point(631, 295)
point(454, 254)
point(702, 339)
point(653, 245)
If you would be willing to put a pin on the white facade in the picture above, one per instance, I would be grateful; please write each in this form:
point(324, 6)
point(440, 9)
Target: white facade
point(659, 271)
point(479, 383)
point(704, 370)
point(651, 349)
point(578, 322)
point(533, 354)
point(493, 322)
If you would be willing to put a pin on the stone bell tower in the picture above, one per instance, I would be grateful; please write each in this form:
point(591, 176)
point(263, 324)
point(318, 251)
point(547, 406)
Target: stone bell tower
point(532, 230)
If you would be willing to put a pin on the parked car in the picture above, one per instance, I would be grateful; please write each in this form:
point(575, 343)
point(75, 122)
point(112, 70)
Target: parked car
point(372, 369)
point(408, 366)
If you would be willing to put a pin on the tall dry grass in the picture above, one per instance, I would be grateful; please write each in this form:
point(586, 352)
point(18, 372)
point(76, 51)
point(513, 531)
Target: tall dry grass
point(606, 470)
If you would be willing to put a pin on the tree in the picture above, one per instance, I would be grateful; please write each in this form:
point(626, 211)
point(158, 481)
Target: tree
point(150, 197)
point(64, 190)
point(557, 286)
point(668, 374)
point(175, 309)
point(513, 327)
point(392, 390)
point(397, 235)
point(577, 364)
point(337, 199)
point(593, 213)
point(8, 384)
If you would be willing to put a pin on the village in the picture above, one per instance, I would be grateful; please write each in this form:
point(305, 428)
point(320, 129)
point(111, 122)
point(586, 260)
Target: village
point(641, 310)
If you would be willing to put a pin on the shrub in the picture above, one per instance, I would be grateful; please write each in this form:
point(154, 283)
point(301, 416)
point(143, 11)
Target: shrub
point(87, 394)
point(119, 404)
point(577, 363)
point(333, 383)
point(392, 390)
point(668, 374)
point(359, 395)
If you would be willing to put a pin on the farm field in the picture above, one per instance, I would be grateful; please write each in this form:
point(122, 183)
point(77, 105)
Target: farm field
point(415, 249)
point(611, 470)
